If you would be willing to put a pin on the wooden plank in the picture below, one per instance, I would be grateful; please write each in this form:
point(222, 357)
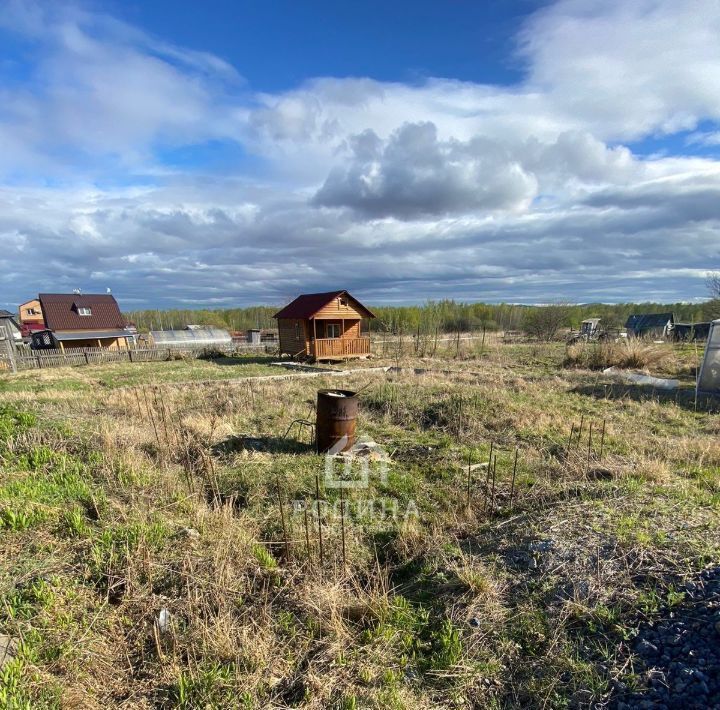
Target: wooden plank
point(335, 309)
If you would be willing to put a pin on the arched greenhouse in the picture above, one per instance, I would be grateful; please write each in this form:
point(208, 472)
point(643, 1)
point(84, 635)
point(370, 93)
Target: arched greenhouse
point(194, 339)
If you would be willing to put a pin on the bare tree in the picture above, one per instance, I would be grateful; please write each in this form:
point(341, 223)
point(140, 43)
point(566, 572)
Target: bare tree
point(712, 307)
point(545, 322)
point(713, 284)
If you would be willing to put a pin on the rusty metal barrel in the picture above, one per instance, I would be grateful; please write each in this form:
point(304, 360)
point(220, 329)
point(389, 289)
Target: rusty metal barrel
point(336, 419)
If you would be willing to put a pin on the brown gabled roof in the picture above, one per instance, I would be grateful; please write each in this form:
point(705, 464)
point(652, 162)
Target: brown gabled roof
point(308, 304)
point(61, 311)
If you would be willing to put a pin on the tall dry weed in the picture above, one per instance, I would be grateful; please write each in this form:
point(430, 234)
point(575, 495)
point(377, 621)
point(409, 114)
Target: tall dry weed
point(630, 353)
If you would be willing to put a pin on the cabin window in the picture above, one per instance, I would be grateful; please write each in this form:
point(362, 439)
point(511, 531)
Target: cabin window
point(84, 311)
point(32, 312)
point(343, 301)
point(297, 331)
point(332, 330)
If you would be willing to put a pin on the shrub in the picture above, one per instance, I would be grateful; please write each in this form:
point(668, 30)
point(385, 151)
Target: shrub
point(545, 322)
point(211, 353)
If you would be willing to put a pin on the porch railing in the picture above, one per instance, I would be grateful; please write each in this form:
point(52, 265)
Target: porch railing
point(340, 347)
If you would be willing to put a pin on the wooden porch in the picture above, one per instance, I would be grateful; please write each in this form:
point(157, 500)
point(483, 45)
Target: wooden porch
point(322, 348)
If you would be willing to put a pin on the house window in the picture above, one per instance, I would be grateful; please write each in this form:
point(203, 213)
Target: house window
point(343, 301)
point(32, 311)
point(84, 311)
point(297, 331)
point(332, 330)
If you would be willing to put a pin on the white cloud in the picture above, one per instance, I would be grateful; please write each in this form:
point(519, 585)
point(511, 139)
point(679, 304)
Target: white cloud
point(627, 69)
point(443, 188)
point(705, 138)
point(414, 174)
point(102, 94)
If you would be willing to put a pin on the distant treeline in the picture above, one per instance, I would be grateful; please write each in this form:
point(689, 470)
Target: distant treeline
point(444, 316)
point(226, 318)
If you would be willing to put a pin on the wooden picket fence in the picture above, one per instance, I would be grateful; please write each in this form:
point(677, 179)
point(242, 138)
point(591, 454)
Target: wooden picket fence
point(27, 359)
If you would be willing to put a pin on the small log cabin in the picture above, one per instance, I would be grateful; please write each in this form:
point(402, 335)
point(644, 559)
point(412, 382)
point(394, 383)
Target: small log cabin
point(323, 326)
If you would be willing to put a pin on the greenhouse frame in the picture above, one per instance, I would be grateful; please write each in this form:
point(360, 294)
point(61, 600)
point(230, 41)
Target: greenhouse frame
point(708, 381)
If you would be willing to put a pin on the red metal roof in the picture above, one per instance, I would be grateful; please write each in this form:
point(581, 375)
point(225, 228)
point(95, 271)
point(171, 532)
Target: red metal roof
point(27, 328)
point(308, 304)
point(61, 311)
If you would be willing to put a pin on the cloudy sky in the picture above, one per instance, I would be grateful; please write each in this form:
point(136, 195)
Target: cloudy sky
point(235, 152)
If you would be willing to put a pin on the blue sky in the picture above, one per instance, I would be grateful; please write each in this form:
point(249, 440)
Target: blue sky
point(232, 153)
point(277, 45)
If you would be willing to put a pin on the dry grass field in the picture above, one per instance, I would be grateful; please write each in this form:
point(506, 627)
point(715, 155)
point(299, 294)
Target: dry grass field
point(161, 544)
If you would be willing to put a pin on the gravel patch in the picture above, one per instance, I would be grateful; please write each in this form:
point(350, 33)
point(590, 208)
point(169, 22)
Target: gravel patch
point(680, 653)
